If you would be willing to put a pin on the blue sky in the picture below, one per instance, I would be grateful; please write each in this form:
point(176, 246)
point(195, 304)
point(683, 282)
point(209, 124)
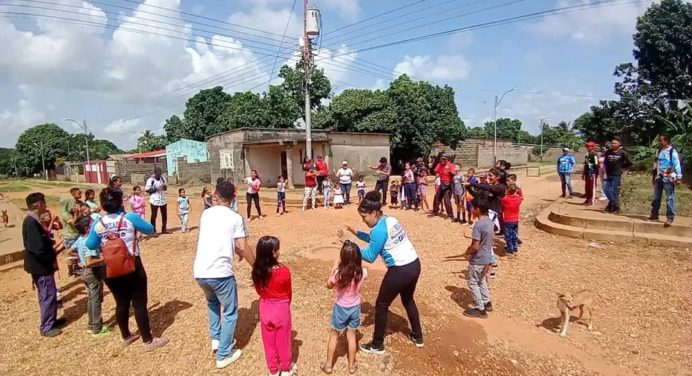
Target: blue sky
point(124, 81)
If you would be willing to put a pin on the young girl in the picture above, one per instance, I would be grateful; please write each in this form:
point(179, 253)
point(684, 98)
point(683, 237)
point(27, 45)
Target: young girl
point(90, 196)
point(281, 196)
point(272, 282)
point(327, 189)
point(338, 198)
point(423, 191)
point(360, 185)
point(184, 207)
point(459, 195)
point(137, 201)
point(253, 188)
point(347, 278)
point(394, 192)
point(207, 198)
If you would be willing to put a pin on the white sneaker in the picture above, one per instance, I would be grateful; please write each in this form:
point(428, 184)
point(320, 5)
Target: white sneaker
point(232, 357)
point(215, 344)
point(293, 371)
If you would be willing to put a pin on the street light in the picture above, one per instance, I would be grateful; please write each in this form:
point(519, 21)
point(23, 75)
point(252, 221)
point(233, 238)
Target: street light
point(543, 121)
point(497, 104)
point(82, 126)
point(43, 160)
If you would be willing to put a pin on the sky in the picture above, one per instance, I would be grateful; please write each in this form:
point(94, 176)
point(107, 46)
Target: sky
point(127, 65)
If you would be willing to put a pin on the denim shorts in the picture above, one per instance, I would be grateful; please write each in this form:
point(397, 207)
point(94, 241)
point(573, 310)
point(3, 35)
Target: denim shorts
point(343, 318)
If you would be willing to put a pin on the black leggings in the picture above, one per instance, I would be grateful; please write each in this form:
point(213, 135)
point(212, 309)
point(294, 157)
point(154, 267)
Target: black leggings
point(131, 288)
point(399, 280)
point(253, 197)
point(164, 216)
point(444, 195)
point(384, 186)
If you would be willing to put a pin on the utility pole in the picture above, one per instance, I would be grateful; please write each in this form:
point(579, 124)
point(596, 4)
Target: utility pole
point(307, 52)
point(542, 128)
point(495, 106)
point(82, 126)
point(43, 159)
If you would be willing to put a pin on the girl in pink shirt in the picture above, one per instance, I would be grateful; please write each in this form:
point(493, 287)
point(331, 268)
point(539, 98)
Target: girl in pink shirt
point(137, 203)
point(347, 278)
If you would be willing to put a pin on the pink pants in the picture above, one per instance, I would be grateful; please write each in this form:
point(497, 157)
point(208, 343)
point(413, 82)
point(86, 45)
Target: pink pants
point(275, 319)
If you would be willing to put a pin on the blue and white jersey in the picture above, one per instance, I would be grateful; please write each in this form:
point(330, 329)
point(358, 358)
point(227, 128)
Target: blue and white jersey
point(99, 234)
point(389, 240)
point(669, 158)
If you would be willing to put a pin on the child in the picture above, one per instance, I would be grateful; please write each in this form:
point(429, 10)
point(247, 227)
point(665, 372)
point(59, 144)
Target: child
point(510, 214)
point(394, 192)
point(184, 208)
point(402, 194)
point(471, 179)
point(272, 282)
point(93, 275)
point(50, 223)
point(281, 196)
point(483, 178)
point(327, 189)
point(423, 191)
point(360, 185)
point(512, 178)
point(137, 201)
point(207, 198)
point(339, 198)
point(458, 181)
point(438, 182)
point(90, 196)
point(347, 277)
point(479, 253)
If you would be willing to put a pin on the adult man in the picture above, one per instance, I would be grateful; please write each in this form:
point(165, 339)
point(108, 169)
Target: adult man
point(616, 159)
point(590, 174)
point(446, 171)
point(565, 168)
point(156, 187)
point(345, 176)
point(40, 260)
point(222, 234)
point(322, 172)
point(383, 172)
point(668, 173)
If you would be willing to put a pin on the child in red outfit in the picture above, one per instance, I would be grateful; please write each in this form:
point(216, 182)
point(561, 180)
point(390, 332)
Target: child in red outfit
point(510, 215)
point(272, 282)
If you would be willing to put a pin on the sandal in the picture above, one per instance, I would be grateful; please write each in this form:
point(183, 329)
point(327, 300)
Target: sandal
point(352, 369)
point(326, 369)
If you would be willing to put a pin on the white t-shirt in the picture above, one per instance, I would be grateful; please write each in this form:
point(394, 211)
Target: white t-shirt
point(219, 226)
point(157, 198)
point(345, 175)
point(252, 185)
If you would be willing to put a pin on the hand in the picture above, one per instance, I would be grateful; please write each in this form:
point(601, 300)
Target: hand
point(352, 230)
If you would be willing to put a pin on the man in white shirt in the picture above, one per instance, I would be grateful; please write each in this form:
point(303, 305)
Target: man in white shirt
point(221, 234)
point(156, 187)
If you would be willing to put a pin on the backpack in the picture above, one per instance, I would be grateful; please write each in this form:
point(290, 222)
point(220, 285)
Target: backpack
point(116, 256)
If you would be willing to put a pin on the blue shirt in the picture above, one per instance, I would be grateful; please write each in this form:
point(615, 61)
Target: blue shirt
point(566, 163)
point(83, 250)
point(665, 162)
point(389, 240)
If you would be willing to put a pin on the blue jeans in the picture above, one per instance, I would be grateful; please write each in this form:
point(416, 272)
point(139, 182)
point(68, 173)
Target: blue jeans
point(346, 191)
point(221, 292)
point(566, 182)
point(47, 300)
point(669, 188)
point(512, 236)
point(611, 188)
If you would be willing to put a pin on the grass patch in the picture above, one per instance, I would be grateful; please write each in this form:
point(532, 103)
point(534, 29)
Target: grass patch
point(637, 193)
point(14, 186)
point(51, 200)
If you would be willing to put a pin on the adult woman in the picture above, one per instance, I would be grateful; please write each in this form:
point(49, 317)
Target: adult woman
point(130, 288)
point(253, 187)
point(389, 240)
point(410, 187)
point(345, 176)
point(495, 190)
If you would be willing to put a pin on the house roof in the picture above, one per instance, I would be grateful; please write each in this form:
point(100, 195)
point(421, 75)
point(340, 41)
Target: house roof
point(149, 154)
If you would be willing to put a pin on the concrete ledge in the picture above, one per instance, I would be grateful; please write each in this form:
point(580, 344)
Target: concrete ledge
point(11, 257)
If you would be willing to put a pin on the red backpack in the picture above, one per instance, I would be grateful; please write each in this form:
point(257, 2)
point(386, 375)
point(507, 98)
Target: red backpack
point(116, 256)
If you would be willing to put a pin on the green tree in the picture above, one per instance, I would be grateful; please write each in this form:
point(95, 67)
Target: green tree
point(8, 159)
point(149, 141)
point(477, 132)
point(507, 129)
point(245, 110)
point(203, 115)
point(174, 128)
point(293, 86)
point(47, 138)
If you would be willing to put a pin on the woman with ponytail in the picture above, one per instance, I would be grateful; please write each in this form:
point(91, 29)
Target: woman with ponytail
point(388, 239)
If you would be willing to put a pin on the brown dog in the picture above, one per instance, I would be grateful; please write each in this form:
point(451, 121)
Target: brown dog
point(5, 218)
point(568, 302)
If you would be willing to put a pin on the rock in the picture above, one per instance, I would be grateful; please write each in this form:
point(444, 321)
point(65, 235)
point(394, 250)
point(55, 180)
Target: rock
point(455, 353)
point(514, 361)
point(596, 245)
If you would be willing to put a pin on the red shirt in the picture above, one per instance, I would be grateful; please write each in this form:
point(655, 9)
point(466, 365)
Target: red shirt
point(310, 180)
point(446, 177)
point(322, 168)
point(279, 285)
point(510, 208)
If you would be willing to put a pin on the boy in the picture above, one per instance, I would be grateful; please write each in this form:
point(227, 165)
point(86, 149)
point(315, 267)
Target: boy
point(90, 199)
point(458, 180)
point(394, 193)
point(40, 260)
point(479, 253)
point(93, 274)
point(69, 212)
point(512, 178)
point(183, 208)
point(510, 215)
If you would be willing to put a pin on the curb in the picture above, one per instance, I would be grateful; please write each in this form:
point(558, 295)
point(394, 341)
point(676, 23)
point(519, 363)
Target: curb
point(11, 257)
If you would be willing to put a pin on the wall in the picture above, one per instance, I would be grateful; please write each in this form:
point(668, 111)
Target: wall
point(131, 171)
point(479, 153)
point(194, 151)
point(359, 149)
point(197, 171)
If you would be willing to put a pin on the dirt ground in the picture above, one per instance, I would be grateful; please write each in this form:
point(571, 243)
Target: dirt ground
point(641, 321)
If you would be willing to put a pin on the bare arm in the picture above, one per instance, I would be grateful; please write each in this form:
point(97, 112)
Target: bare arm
point(474, 247)
point(242, 248)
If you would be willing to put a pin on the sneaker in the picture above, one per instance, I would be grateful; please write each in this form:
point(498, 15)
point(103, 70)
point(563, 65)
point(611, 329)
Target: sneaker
point(215, 344)
point(615, 210)
point(104, 331)
point(653, 218)
point(608, 209)
point(293, 371)
point(130, 340)
point(230, 358)
point(669, 221)
point(51, 333)
point(155, 343)
point(416, 341)
point(488, 307)
point(369, 348)
point(59, 323)
point(474, 312)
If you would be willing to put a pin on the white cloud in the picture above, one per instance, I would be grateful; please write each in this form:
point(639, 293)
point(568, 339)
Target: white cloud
point(592, 25)
point(380, 84)
point(440, 69)
point(262, 16)
point(349, 9)
point(123, 126)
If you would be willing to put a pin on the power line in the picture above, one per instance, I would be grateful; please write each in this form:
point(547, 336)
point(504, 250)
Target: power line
point(280, 45)
point(378, 15)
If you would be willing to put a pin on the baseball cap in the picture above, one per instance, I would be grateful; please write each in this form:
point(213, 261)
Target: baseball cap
point(565, 149)
point(344, 162)
point(590, 144)
point(419, 159)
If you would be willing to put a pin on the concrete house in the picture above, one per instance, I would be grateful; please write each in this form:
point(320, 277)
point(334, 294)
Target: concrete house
point(274, 152)
point(191, 151)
